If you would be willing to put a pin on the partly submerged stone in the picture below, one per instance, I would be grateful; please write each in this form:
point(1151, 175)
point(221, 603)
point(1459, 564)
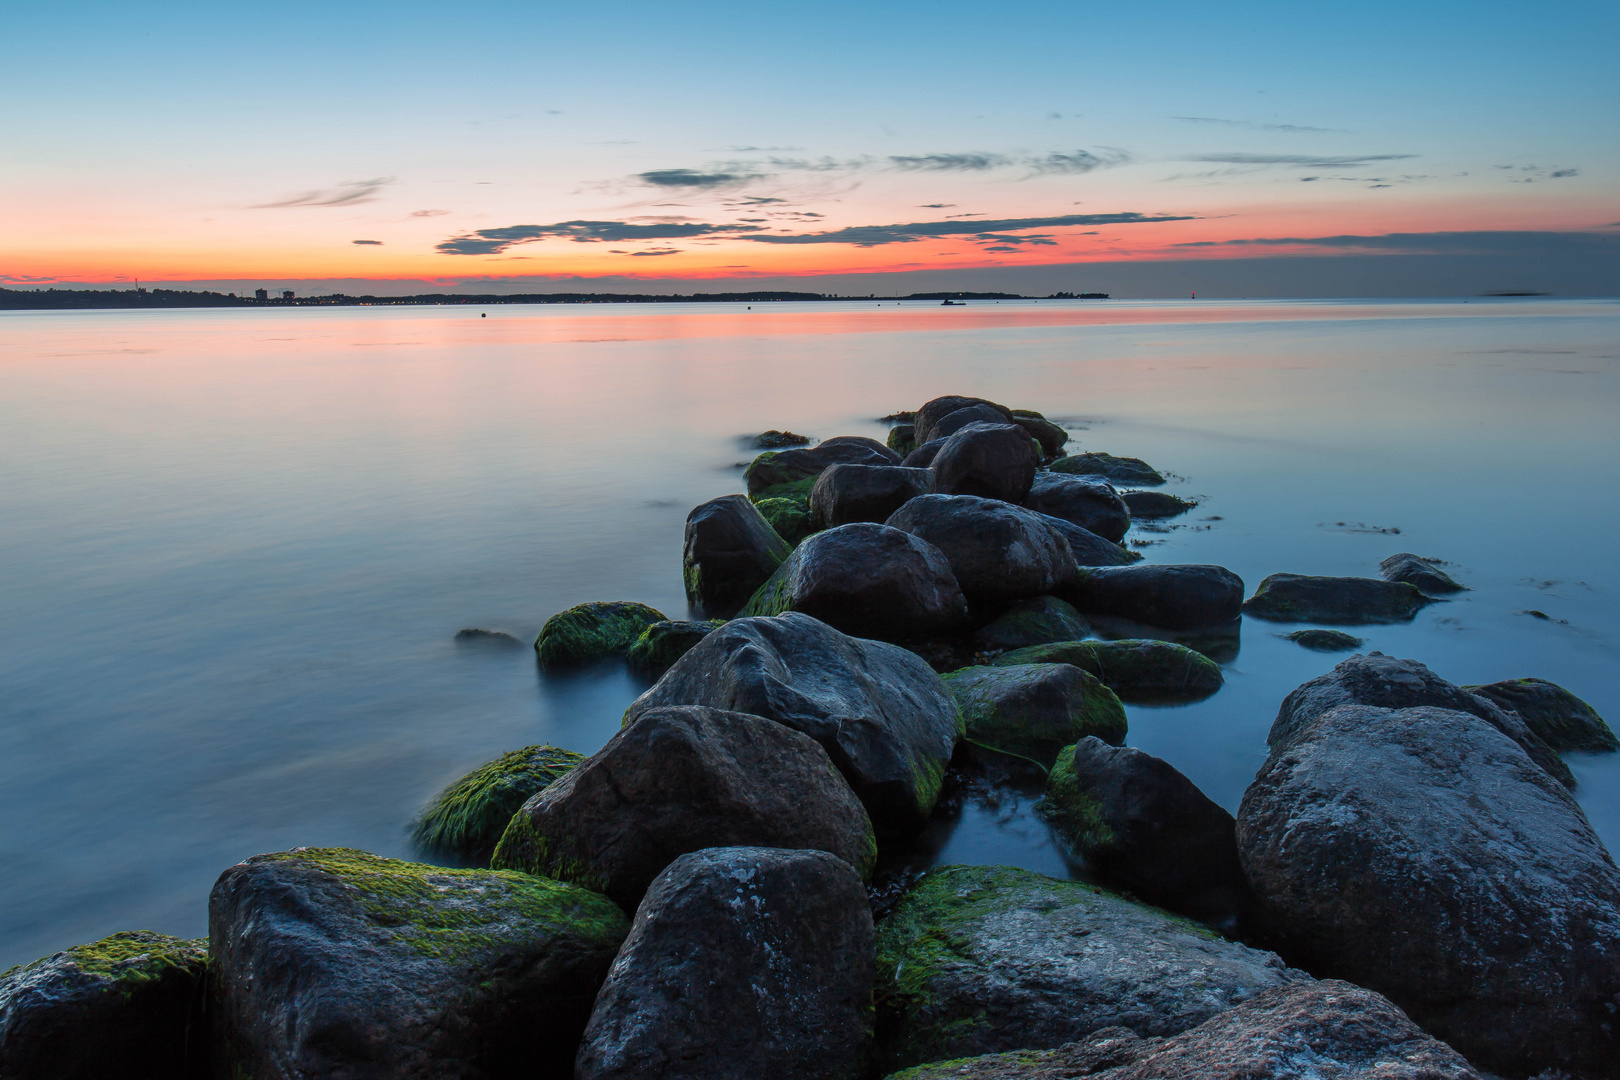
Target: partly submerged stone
point(1563, 721)
point(997, 552)
point(478, 635)
point(1049, 435)
point(730, 550)
point(1177, 597)
point(1032, 622)
point(331, 962)
point(779, 440)
point(1346, 601)
point(593, 631)
point(467, 818)
point(1140, 669)
point(127, 1007)
point(1120, 470)
point(1418, 571)
point(1086, 501)
point(1318, 640)
point(844, 494)
point(663, 643)
point(1088, 548)
point(992, 461)
point(1034, 710)
point(743, 963)
point(777, 471)
point(790, 517)
point(1156, 505)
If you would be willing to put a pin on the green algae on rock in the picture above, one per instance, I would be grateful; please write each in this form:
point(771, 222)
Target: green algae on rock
point(1137, 669)
point(593, 631)
point(467, 818)
point(1035, 621)
point(1124, 470)
point(1318, 640)
point(790, 517)
point(663, 643)
point(1074, 813)
point(1342, 601)
point(1563, 721)
point(1034, 710)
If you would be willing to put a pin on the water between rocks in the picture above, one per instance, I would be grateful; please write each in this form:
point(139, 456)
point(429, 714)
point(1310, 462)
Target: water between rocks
point(237, 545)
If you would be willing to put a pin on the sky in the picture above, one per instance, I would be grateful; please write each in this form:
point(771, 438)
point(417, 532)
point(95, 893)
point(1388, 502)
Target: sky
point(634, 146)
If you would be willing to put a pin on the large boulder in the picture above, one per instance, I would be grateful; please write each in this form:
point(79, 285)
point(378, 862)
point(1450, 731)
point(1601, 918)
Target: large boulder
point(957, 419)
point(742, 963)
point(881, 713)
point(1177, 597)
point(939, 408)
point(663, 643)
point(1562, 720)
point(1034, 710)
point(784, 470)
point(1326, 1030)
point(1035, 621)
point(1338, 601)
point(1120, 470)
point(1418, 571)
point(998, 552)
point(334, 963)
point(679, 779)
point(1137, 669)
point(1088, 548)
point(593, 631)
point(1389, 683)
point(1147, 828)
point(1421, 853)
point(467, 818)
point(994, 461)
point(1088, 502)
point(867, 580)
point(127, 1007)
point(849, 493)
point(979, 959)
point(730, 551)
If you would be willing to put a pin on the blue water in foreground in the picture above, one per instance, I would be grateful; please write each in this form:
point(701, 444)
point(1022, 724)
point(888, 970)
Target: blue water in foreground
point(237, 545)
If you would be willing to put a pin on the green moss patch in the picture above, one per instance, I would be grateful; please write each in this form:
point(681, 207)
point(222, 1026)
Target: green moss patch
point(1134, 668)
point(1031, 710)
point(593, 631)
point(663, 643)
point(789, 517)
point(467, 818)
point(1075, 815)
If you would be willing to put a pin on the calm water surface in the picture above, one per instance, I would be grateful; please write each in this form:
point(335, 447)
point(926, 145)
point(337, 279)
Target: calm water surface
point(237, 545)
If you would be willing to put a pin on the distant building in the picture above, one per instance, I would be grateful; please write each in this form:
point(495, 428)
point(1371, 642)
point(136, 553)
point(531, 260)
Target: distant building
point(261, 294)
point(286, 294)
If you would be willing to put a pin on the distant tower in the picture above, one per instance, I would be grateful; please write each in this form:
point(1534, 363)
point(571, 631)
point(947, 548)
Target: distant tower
point(286, 294)
point(261, 294)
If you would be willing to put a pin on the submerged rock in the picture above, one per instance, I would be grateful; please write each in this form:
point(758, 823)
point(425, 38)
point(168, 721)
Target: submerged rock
point(1088, 502)
point(331, 962)
point(1419, 572)
point(127, 1007)
point(593, 631)
point(1325, 640)
point(1562, 720)
point(743, 963)
point(680, 779)
point(992, 461)
point(1347, 601)
point(845, 494)
point(998, 552)
point(881, 712)
point(1141, 669)
point(730, 550)
point(1034, 710)
point(777, 440)
point(1156, 505)
point(1180, 597)
point(775, 471)
point(941, 407)
point(663, 643)
point(1088, 548)
point(477, 635)
point(1120, 470)
point(467, 818)
point(1034, 621)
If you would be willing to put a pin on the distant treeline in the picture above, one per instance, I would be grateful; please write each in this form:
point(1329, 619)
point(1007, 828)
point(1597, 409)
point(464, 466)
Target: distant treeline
point(54, 299)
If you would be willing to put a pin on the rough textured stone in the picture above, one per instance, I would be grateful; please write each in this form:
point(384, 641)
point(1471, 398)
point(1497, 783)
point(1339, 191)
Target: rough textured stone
point(957, 419)
point(1181, 597)
point(790, 517)
point(742, 964)
point(127, 1007)
point(1034, 710)
point(882, 714)
point(1034, 621)
point(334, 963)
point(1418, 571)
point(680, 779)
point(593, 631)
point(867, 580)
point(663, 643)
point(1120, 470)
point(1088, 548)
point(1343, 601)
point(1155, 505)
point(941, 407)
point(467, 818)
point(1325, 640)
point(1421, 853)
point(979, 959)
point(1562, 720)
point(730, 551)
point(1049, 435)
point(845, 494)
point(1088, 502)
point(776, 470)
point(1137, 669)
point(998, 552)
point(993, 461)
point(922, 455)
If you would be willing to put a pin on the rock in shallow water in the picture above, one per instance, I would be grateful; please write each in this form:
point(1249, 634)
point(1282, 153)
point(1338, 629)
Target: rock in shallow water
point(782, 469)
point(993, 461)
point(730, 550)
point(1034, 710)
point(1156, 505)
point(467, 818)
point(1419, 572)
point(593, 631)
point(1325, 640)
point(1086, 501)
point(1177, 597)
point(998, 552)
point(1120, 470)
point(663, 643)
point(1346, 601)
point(1035, 621)
point(1140, 669)
point(1562, 720)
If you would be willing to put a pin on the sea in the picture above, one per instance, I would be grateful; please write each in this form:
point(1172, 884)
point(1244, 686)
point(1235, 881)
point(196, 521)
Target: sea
point(236, 546)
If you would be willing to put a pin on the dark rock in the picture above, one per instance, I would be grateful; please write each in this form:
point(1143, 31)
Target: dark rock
point(467, 818)
point(978, 959)
point(730, 551)
point(332, 963)
point(1419, 572)
point(867, 580)
point(998, 552)
point(882, 714)
point(593, 631)
point(1088, 548)
point(679, 779)
point(845, 494)
point(1306, 1030)
point(1090, 503)
point(957, 419)
point(777, 440)
point(922, 456)
point(1563, 721)
point(1156, 505)
point(475, 635)
point(1034, 710)
point(1032, 622)
point(1345, 601)
point(1388, 683)
point(790, 517)
point(843, 441)
point(902, 439)
point(1325, 640)
point(1221, 642)
point(127, 1007)
point(941, 407)
point(1148, 829)
point(1049, 435)
point(1178, 597)
point(743, 963)
point(1137, 669)
point(776, 470)
point(1421, 853)
point(994, 461)
point(1121, 470)
point(663, 643)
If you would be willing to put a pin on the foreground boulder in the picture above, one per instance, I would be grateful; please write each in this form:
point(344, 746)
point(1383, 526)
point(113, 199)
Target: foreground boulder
point(593, 631)
point(1325, 1030)
point(1421, 853)
point(1419, 572)
point(1088, 548)
point(785, 470)
point(730, 551)
point(1088, 502)
point(881, 713)
point(1137, 669)
point(679, 779)
point(742, 963)
point(939, 408)
point(979, 959)
point(1034, 710)
point(993, 461)
point(1120, 470)
point(467, 818)
point(1562, 720)
point(997, 552)
point(1034, 621)
point(867, 580)
point(849, 493)
point(663, 643)
point(332, 963)
point(1180, 597)
point(127, 1007)
point(1344, 601)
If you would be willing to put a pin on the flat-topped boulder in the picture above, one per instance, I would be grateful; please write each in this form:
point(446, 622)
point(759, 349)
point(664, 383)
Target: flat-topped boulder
point(1341, 601)
point(1319, 640)
point(993, 461)
point(1562, 720)
point(997, 552)
point(844, 494)
point(1177, 597)
point(1120, 470)
point(1034, 710)
point(1137, 669)
point(593, 631)
point(1089, 502)
point(466, 819)
point(730, 550)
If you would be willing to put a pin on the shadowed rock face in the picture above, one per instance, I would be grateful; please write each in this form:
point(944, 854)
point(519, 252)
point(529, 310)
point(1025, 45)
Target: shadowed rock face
point(1179, 597)
point(1035, 621)
point(782, 468)
point(1342, 601)
point(1120, 470)
point(1087, 501)
point(1034, 710)
point(939, 408)
point(1420, 852)
point(993, 461)
point(729, 552)
point(743, 963)
point(998, 552)
point(849, 493)
point(1562, 720)
point(956, 420)
point(1049, 435)
point(1139, 669)
point(1088, 548)
point(1154, 505)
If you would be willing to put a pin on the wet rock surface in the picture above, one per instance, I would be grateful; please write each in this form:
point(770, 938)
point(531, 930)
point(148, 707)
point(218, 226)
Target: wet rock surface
point(1178, 597)
point(593, 631)
point(844, 494)
point(1346, 601)
point(997, 552)
point(1156, 505)
point(1120, 470)
point(993, 461)
point(1035, 621)
point(1088, 548)
point(1325, 640)
point(1562, 720)
point(1137, 669)
point(663, 643)
point(1034, 710)
point(1088, 502)
point(466, 819)
point(1418, 571)
point(775, 470)
point(936, 410)
point(730, 550)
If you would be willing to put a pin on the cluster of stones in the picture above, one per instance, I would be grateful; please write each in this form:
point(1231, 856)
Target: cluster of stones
point(1407, 882)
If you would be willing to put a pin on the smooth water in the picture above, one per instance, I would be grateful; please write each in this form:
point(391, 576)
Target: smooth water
point(237, 545)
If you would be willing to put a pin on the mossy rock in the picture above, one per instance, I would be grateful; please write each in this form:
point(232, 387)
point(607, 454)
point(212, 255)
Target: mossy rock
point(593, 631)
point(779, 440)
point(1033, 710)
point(789, 517)
point(1123, 470)
point(468, 817)
point(793, 489)
point(1137, 669)
point(1563, 721)
point(902, 439)
point(1319, 640)
point(1343, 601)
point(1035, 621)
point(1075, 814)
point(663, 643)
